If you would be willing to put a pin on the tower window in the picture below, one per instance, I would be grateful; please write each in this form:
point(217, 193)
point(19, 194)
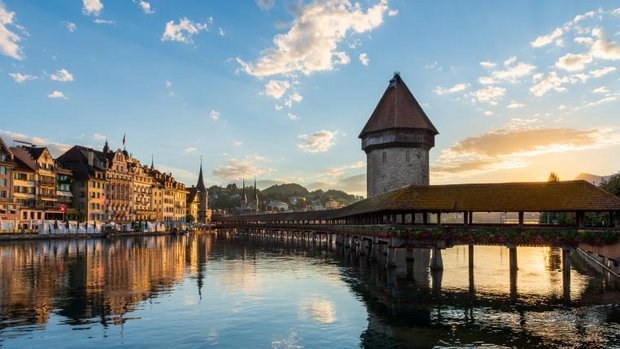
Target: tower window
point(384, 156)
point(407, 156)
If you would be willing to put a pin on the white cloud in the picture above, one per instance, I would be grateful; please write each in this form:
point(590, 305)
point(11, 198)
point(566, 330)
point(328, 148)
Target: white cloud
point(56, 149)
point(488, 113)
point(515, 105)
point(547, 39)
point(573, 62)
point(220, 31)
point(276, 88)
point(237, 143)
point(342, 58)
point(511, 74)
point(311, 44)
point(603, 100)
point(99, 137)
point(92, 7)
point(71, 26)
point(597, 73)
point(265, 4)
point(603, 48)
point(8, 39)
point(456, 88)
point(586, 41)
point(318, 142)
point(546, 83)
point(293, 117)
point(146, 7)
point(487, 64)
point(57, 95)
point(62, 75)
point(278, 107)
point(489, 95)
point(363, 57)
point(190, 150)
point(296, 97)
point(183, 31)
point(21, 78)
point(392, 13)
point(214, 115)
point(102, 21)
point(247, 167)
point(168, 84)
point(601, 90)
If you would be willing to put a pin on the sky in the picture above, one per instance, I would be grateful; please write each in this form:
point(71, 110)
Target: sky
point(279, 90)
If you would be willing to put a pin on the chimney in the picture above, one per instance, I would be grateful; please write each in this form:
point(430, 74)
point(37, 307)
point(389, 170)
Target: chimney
point(91, 157)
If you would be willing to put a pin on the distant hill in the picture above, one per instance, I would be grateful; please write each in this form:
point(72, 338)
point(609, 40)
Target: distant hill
point(282, 192)
point(594, 179)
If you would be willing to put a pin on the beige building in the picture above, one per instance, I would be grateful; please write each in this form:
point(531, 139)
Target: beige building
point(142, 186)
point(119, 179)
point(9, 209)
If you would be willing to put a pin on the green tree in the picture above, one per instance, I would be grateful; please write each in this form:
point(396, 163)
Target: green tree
point(553, 177)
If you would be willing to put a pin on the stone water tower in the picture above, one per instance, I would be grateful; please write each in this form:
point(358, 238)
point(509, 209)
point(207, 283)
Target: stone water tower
point(397, 139)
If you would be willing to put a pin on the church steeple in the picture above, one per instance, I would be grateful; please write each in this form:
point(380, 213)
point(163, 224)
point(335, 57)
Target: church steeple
point(201, 183)
point(106, 147)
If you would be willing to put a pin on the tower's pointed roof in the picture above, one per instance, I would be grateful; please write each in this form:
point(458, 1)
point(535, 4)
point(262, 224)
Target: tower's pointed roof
point(201, 183)
point(398, 109)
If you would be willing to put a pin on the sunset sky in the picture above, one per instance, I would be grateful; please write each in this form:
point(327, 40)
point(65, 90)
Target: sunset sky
point(281, 89)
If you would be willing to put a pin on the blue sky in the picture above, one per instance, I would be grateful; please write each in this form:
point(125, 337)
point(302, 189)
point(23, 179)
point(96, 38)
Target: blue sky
point(281, 89)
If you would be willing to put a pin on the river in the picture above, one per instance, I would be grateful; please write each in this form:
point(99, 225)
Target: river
point(208, 291)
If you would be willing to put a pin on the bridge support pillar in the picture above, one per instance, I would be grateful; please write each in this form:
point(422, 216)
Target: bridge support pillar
point(566, 273)
point(471, 269)
point(512, 257)
point(363, 247)
point(390, 262)
point(437, 260)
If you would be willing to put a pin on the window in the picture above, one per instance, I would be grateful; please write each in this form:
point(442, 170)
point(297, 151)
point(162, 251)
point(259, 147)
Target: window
point(3, 182)
point(2, 170)
point(3, 157)
point(384, 156)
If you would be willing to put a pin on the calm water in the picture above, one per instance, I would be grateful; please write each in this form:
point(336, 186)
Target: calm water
point(203, 291)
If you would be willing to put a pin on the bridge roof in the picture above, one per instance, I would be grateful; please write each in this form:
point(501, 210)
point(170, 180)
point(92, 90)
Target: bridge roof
point(485, 197)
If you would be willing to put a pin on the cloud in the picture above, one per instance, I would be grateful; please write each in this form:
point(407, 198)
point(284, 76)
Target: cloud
point(237, 143)
point(487, 64)
point(21, 78)
point(392, 13)
point(603, 48)
point(265, 4)
point(547, 83)
point(355, 184)
point(168, 84)
point(456, 88)
point(146, 7)
point(342, 58)
point(99, 137)
point(8, 39)
point(573, 62)
point(249, 166)
point(102, 21)
point(584, 41)
point(363, 57)
point(220, 31)
point(276, 88)
point(92, 7)
point(56, 149)
point(71, 26)
point(214, 115)
point(57, 95)
point(488, 113)
point(318, 142)
point(62, 75)
point(515, 105)
point(183, 31)
point(547, 39)
point(511, 74)
point(311, 44)
point(293, 117)
point(597, 73)
point(190, 150)
point(600, 90)
point(489, 95)
point(179, 174)
point(511, 147)
point(341, 170)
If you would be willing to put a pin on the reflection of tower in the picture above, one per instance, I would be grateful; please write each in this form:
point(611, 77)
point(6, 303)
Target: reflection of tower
point(255, 208)
point(244, 198)
point(397, 139)
point(203, 197)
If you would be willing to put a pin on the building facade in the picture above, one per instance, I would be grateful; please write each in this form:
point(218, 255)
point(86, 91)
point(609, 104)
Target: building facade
point(397, 139)
point(9, 209)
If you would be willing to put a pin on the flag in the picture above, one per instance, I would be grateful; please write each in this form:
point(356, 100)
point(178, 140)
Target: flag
point(123, 139)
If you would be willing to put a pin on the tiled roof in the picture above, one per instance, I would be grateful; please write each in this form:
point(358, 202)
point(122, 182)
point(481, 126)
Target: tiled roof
point(6, 148)
point(488, 197)
point(398, 109)
point(23, 159)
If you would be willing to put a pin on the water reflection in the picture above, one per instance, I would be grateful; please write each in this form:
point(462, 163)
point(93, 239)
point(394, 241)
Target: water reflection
point(237, 292)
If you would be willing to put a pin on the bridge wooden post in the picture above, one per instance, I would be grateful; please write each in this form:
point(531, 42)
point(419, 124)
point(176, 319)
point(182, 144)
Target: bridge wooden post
point(471, 269)
point(566, 273)
point(521, 219)
point(438, 217)
point(437, 260)
point(391, 254)
point(424, 217)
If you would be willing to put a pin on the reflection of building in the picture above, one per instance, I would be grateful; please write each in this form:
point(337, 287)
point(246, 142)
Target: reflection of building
point(397, 139)
point(8, 207)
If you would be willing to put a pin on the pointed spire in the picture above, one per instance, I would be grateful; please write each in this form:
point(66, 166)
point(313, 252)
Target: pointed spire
point(106, 147)
point(201, 183)
point(152, 166)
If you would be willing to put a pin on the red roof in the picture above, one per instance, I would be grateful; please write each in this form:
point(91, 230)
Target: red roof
point(398, 109)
